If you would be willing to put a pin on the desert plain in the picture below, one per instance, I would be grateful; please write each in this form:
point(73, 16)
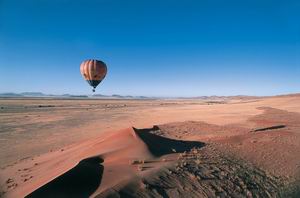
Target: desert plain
point(215, 147)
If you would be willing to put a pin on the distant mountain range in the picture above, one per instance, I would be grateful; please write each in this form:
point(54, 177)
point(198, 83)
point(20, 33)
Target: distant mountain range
point(42, 95)
point(116, 96)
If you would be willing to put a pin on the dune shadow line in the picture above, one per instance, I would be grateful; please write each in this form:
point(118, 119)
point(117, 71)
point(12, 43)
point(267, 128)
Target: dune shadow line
point(159, 145)
point(81, 181)
point(270, 128)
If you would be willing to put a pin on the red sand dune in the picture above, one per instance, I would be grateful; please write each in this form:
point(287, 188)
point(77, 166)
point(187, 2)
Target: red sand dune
point(106, 161)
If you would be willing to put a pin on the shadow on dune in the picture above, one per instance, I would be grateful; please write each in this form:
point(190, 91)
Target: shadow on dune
point(159, 145)
point(80, 181)
point(84, 179)
point(270, 128)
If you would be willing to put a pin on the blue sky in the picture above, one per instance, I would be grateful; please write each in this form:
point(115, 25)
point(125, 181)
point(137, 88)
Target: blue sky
point(152, 48)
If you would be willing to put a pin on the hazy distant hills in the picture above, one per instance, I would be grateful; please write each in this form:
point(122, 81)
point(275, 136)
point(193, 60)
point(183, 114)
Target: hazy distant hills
point(10, 95)
point(42, 95)
point(116, 96)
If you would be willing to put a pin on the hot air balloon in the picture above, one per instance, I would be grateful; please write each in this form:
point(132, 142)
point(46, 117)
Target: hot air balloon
point(93, 71)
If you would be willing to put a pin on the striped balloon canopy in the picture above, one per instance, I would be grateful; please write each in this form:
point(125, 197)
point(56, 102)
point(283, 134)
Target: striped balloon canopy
point(93, 71)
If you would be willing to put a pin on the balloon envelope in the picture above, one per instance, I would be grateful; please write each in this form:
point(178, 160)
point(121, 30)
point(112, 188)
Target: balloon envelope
point(93, 71)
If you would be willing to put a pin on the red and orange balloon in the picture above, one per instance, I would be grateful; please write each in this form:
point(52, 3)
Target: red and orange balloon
point(93, 71)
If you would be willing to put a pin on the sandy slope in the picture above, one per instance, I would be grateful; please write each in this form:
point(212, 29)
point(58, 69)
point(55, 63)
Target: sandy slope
point(256, 153)
point(109, 161)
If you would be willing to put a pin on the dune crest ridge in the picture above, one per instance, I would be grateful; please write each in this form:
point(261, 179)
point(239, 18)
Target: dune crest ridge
point(120, 156)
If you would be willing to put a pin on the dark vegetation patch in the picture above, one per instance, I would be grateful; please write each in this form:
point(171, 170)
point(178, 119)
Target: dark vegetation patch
point(45, 106)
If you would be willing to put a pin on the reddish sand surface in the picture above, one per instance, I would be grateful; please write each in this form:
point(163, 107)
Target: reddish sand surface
point(234, 147)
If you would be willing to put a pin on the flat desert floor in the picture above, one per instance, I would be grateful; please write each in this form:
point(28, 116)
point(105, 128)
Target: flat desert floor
point(230, 147)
